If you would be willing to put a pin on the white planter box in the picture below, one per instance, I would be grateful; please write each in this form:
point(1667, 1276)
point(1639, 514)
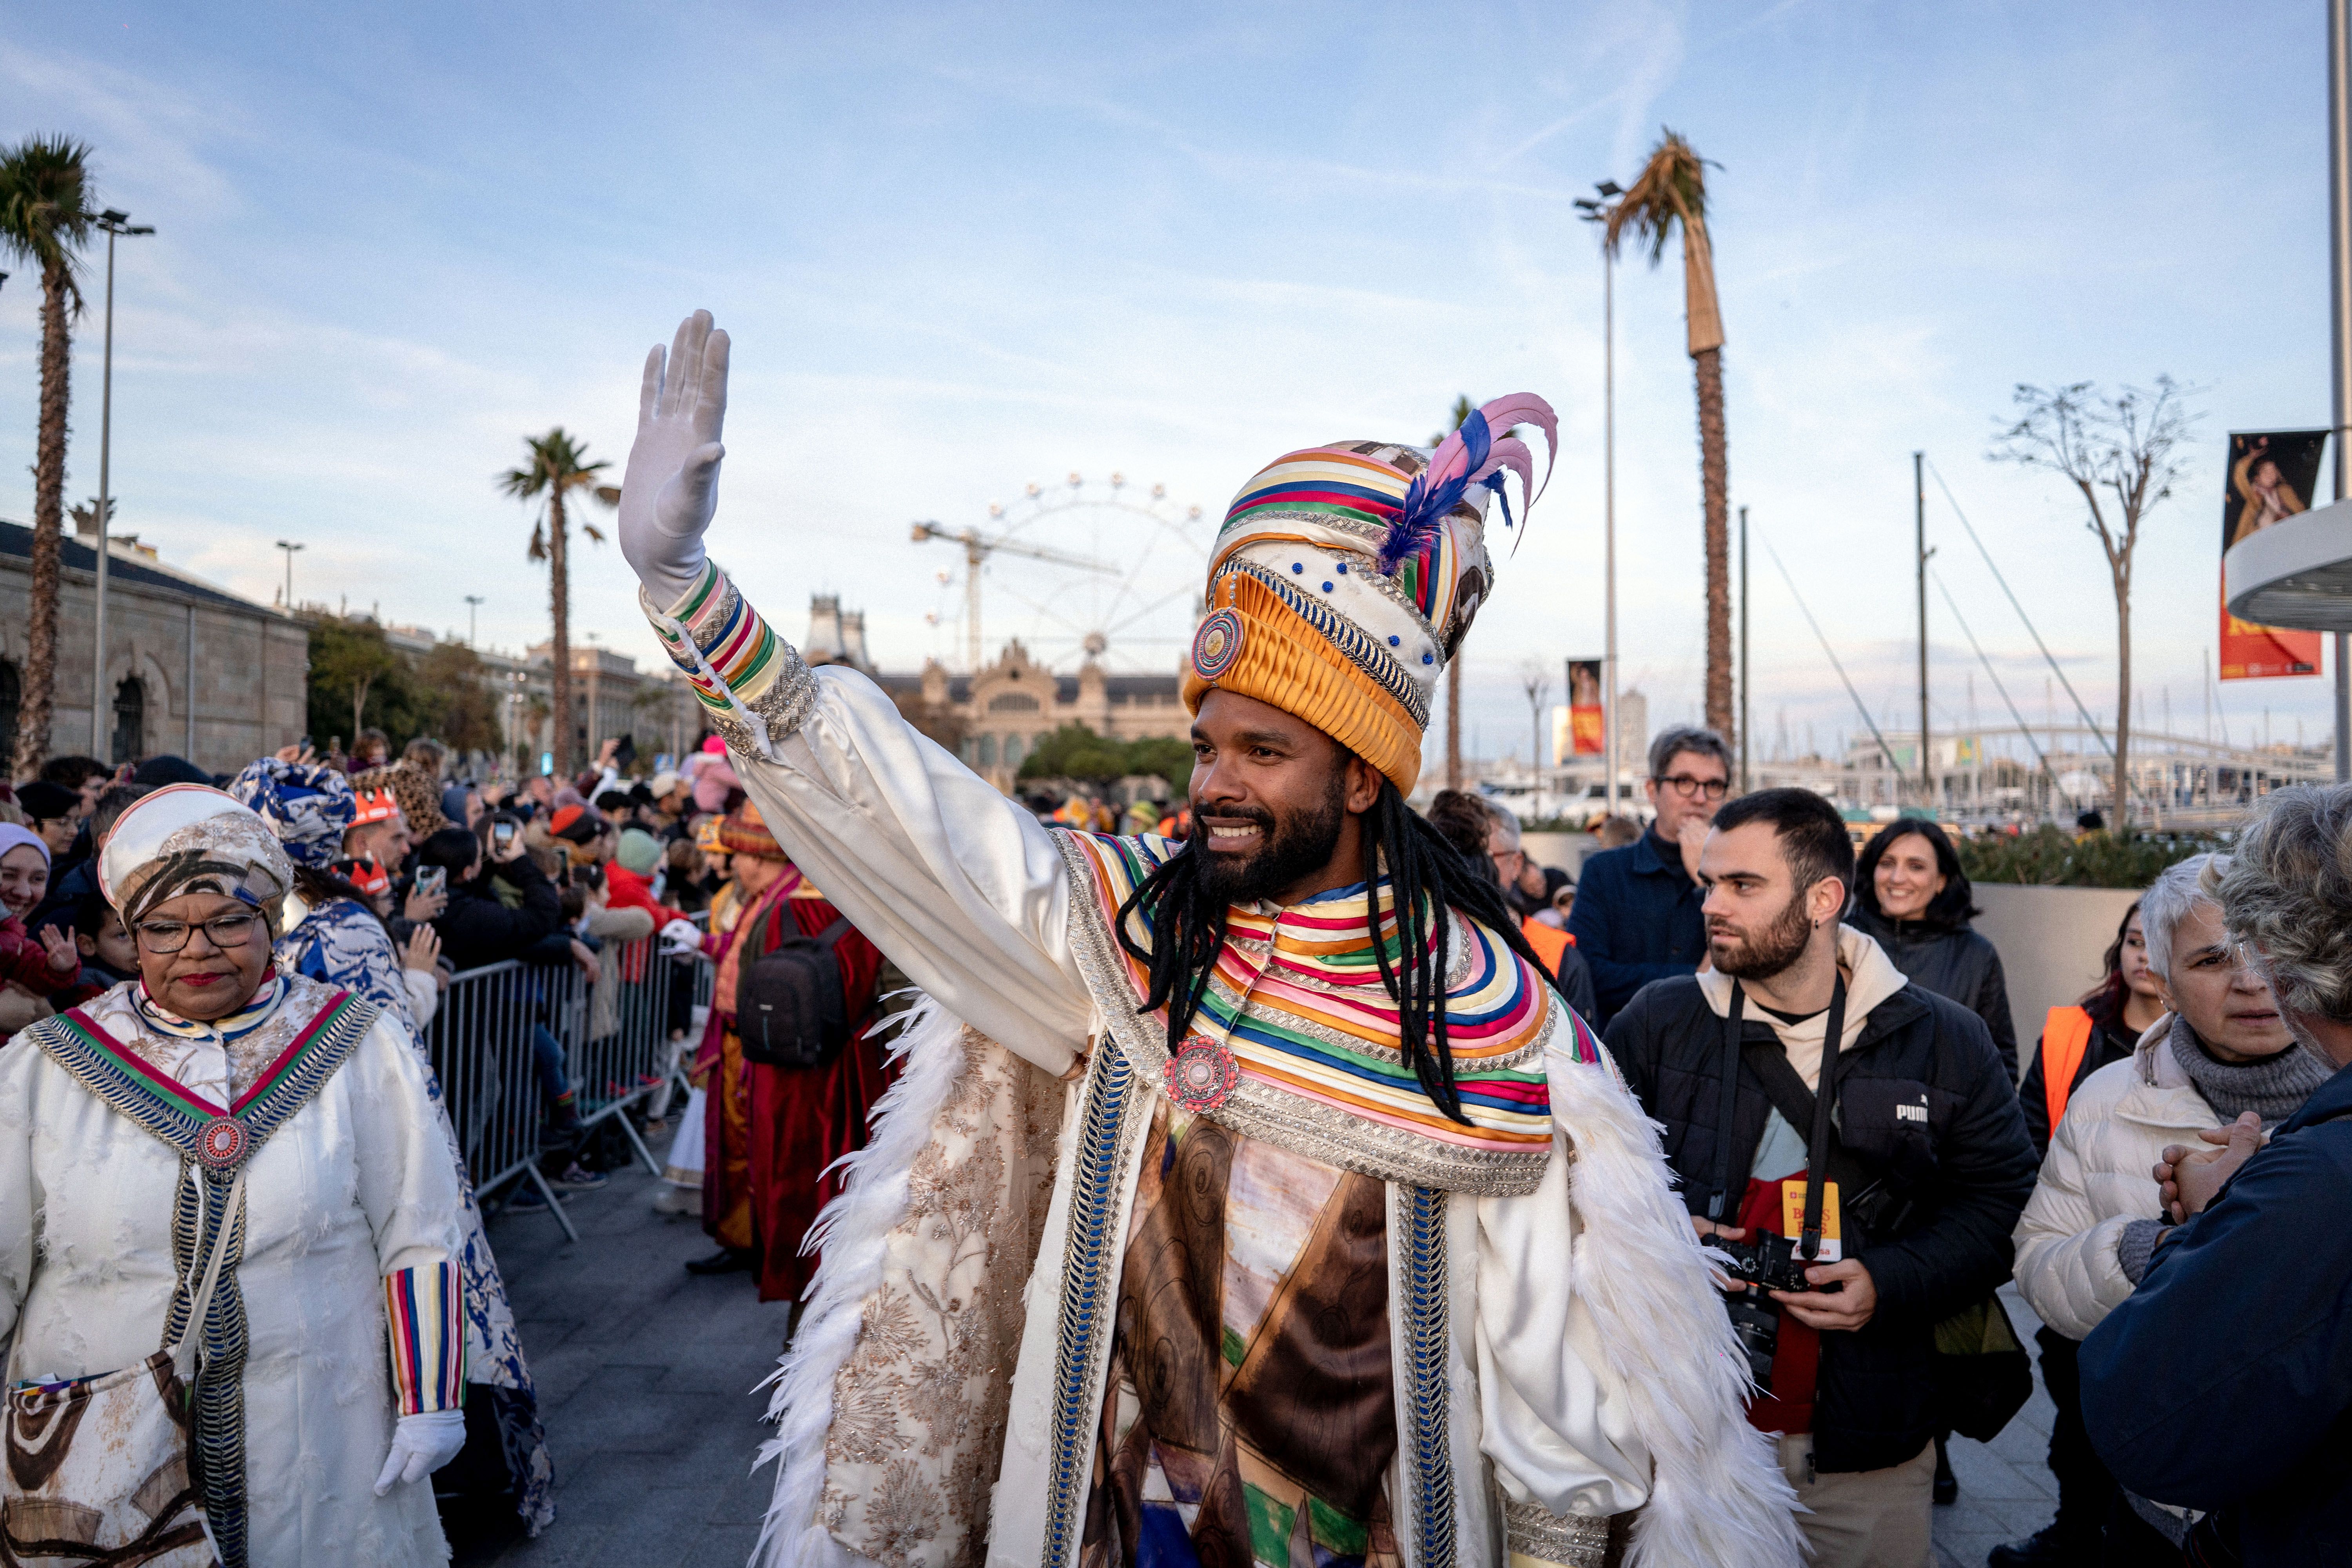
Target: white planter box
point(2051, 940)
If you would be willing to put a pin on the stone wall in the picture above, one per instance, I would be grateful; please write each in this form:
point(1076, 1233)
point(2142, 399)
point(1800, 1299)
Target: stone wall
point(249, 664)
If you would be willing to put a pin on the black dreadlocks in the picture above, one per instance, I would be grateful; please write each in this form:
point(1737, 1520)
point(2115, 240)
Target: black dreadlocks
point(1425, 873)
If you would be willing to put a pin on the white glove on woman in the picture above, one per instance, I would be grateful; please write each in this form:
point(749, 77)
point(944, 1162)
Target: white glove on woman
point(671, 488)
point(420, 1446)
point(682, 939)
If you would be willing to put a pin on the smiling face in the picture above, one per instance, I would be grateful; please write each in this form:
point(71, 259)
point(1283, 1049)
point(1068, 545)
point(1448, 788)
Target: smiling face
point(204, 979)
point(1908, 879)
point(24, 878)
point(2219, 992)
point(1276, 803)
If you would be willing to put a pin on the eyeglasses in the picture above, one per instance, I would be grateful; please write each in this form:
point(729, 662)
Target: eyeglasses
point(224, 931)
point(1686, 786)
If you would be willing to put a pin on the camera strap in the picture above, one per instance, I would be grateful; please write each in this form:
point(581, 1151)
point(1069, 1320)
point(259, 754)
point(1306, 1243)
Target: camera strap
point(1717, 1205)
point(1817, 1155)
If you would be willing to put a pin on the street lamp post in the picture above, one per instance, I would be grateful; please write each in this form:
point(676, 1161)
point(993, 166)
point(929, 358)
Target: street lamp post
point(2339, 302)
point(116, 224)
point(1596, 211)
point(289, 546)
point(473, 604)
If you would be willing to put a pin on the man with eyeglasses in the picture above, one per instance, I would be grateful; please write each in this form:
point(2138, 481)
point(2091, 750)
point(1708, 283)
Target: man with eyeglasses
point(1637, 916)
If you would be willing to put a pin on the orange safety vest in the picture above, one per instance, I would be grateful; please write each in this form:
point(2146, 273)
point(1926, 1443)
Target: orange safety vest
point(1549, 941)
point(2065, 1036)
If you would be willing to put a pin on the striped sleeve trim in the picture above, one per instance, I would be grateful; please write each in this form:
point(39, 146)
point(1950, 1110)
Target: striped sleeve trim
point(749, 680)
point(427, 1338)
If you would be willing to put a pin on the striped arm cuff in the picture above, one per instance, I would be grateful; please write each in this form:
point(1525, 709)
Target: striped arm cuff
point(1537, 1539)
point(427, 1338)
point(750, 680)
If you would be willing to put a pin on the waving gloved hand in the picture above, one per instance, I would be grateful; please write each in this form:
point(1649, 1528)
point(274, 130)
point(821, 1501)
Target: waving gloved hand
point(682, 939)
point(671, 488)
point(420, 1446)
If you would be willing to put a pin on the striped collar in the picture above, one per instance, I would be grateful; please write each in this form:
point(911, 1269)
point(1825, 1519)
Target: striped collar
point(236, 1026)
point(1296, 999)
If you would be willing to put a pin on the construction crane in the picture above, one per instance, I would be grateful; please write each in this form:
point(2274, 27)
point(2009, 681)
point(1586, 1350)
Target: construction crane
point(976, 548)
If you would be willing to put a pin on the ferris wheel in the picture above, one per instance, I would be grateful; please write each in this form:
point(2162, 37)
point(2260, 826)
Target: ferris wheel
point(1083, 569)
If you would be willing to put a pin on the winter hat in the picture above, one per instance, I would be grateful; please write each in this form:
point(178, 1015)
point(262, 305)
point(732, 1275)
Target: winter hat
point(638, 852)
point(13, 836)
point(416, 792)
point(1345, 577)
point(743, 832)
point(166, 769)
point(44, 801)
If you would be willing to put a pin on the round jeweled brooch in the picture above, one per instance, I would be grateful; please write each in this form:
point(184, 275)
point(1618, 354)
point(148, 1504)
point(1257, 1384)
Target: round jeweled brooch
point(1201, 1077)
point(222, 1143)
point(1217, 644)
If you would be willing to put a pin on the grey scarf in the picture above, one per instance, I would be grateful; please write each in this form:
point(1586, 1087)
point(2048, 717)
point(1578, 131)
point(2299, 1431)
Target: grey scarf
point(2273, 1088)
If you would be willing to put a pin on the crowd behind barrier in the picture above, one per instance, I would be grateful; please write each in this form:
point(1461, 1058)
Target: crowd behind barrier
point(482, 1044)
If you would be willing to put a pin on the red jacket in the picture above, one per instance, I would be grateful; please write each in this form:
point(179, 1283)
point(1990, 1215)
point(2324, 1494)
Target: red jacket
point(24, 960)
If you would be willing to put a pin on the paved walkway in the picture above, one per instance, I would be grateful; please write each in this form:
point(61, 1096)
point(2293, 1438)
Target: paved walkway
point(644, 1374)
point(2006, 1489)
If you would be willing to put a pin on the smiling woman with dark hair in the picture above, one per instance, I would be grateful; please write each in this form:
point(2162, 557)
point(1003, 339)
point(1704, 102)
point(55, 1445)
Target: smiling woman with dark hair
point(1911, 895)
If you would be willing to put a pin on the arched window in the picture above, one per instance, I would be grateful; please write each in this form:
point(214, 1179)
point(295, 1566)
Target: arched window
point(988, 751)
point(970, 750)
point(1013, 703)
point(1012, 751)
point(130, 719)
point(12, 692)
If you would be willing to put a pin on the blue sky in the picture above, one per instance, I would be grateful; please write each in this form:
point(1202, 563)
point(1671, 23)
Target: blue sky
point(964, 248)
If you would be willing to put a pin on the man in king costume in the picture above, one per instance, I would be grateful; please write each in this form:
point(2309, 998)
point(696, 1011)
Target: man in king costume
point(1251, 1199)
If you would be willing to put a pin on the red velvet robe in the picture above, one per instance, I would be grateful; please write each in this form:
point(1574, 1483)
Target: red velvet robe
point(796, 1122)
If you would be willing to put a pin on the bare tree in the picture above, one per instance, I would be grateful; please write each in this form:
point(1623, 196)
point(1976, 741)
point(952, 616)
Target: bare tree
point(2119, 451)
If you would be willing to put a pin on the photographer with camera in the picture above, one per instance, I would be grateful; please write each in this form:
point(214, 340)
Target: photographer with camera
point(1919, 1147)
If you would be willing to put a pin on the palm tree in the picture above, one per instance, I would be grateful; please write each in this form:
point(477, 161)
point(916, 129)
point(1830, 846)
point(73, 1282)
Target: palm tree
point(45, 215)
point(558, 467)
point(1670, 193)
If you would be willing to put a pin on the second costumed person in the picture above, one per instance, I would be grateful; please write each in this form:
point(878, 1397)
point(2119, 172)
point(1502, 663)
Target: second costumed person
point(1248, 1199)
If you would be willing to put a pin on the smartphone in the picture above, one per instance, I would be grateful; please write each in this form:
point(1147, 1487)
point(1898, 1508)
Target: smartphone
point(502, 834)
point(432, 880)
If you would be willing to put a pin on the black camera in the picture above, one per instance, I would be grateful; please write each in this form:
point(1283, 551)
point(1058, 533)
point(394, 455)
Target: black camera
point(1768, 1262)
point(1755, 1323)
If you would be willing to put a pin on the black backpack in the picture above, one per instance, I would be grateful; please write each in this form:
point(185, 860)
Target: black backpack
point(789, 1008)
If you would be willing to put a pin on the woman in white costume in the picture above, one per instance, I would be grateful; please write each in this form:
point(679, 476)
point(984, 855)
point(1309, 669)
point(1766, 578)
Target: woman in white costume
point(213, 1090)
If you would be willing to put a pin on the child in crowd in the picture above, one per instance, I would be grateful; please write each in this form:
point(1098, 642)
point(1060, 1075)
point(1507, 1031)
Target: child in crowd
point(36, 970)
point(109, 955)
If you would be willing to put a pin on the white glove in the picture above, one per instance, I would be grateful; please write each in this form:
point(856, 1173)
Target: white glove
point(671, 488)
point(420, 1446)
point(682, 939)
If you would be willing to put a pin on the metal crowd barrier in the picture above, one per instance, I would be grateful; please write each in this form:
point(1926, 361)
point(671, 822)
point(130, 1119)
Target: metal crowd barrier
point(484, 1043)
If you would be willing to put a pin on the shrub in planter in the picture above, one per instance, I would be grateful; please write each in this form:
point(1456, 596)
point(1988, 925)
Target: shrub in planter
point(2051, 856)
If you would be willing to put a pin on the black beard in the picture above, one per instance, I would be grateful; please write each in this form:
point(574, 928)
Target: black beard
point(1779, 944)
point(1292, 848)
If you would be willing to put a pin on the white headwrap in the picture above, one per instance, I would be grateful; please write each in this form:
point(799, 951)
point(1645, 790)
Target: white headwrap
point(191, 838)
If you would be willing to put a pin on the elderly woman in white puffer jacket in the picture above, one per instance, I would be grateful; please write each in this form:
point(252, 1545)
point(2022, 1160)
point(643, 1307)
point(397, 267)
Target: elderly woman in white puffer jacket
point(2221, 1051)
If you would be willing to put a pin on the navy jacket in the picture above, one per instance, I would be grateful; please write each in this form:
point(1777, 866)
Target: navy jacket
point(1636, 919)
point(2225, 1380)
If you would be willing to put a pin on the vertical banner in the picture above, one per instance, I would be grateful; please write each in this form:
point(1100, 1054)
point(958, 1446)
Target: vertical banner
point(1585, 734)
point(2271, 476)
